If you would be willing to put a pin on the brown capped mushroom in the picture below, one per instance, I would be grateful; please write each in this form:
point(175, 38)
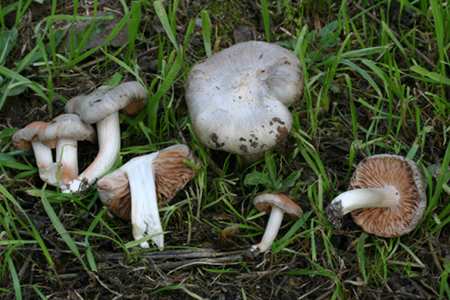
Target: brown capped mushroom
point(134, 190)
point(102, 107)
point(278, 206)
point(386, 196)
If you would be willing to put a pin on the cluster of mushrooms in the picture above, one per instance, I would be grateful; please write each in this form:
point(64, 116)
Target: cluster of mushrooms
point(237, 102)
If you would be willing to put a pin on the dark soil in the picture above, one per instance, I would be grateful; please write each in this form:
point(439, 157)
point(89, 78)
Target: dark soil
point(206, 273)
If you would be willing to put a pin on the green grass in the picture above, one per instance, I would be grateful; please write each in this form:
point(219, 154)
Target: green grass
point(373, 85)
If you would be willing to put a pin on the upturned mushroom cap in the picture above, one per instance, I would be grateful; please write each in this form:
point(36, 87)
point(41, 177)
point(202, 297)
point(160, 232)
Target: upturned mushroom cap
point(264, 203)
point(170, 172)
point(237, 98)
point(401, 173)
point(67, 126)
point(114, 191)
point(22, 139)
point(130, 97)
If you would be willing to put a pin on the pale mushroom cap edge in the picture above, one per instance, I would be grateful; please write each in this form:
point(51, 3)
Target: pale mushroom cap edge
point(130, 97)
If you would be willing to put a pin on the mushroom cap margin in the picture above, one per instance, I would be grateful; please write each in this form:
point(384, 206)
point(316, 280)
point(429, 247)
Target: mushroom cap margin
point(264, 203)
point(130, 97)
point(22, 139)
point(67, 126)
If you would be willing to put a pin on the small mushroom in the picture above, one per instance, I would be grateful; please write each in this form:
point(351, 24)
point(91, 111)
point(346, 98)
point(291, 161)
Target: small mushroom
point(386, 196)
point(67, 130)
point(134, 190)
point(102, 107)
point(278, 206)
point(237, 98)
point(28, 138)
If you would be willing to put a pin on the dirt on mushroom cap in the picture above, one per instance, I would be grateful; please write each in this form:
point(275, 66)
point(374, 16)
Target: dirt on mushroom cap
point(237, 98)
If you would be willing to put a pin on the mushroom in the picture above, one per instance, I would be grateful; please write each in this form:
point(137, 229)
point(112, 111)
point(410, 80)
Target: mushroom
point(102, 107)
point(134, 190)
point(386, 196)
point(28, 138)
point(277, 205)
point(67, 130)
point(237, 98)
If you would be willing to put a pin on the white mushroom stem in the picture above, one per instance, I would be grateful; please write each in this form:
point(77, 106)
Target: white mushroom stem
point(43, 155)
point(144, 204)
point(48, 170)
point(66, 154)
point(365, 198)
point(275, 219)
point(108, 132)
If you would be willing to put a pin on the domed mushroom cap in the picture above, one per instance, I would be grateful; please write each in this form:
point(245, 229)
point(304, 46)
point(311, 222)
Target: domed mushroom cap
point(67, 126)
point(22, 139)
point(264, 203)
point(396, 171)
point(170, 172)
point(130, 97)
point(237, 98)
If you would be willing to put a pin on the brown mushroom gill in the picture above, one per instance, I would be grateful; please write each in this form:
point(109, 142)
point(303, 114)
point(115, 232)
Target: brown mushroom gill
point(386, 196)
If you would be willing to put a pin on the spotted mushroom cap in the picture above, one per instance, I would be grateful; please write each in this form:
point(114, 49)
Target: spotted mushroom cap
point(237, 98)
point(22, 139)
point(67, 126)
point(171, 175)
point(264, 203)
point(390, 170)
point(129, 97)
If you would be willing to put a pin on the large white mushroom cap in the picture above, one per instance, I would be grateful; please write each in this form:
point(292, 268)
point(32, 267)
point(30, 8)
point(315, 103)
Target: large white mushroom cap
point(237, 98)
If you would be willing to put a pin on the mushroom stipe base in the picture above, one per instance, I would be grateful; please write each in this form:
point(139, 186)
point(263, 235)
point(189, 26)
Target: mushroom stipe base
point(334, 214)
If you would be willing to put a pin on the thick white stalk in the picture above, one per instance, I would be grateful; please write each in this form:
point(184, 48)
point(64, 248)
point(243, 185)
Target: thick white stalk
point(365, 198)
point(66, 154)
point(48, 170)
point(108, 132)
point(144, 206)
point(43, 154)
point(275, 219)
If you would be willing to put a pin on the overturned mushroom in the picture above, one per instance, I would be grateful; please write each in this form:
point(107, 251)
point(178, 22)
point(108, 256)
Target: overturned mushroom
point(386, 196)
point(102, 107)
point(278, 206)
point(134, 190)
point(237, 98)
point(67, 130)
